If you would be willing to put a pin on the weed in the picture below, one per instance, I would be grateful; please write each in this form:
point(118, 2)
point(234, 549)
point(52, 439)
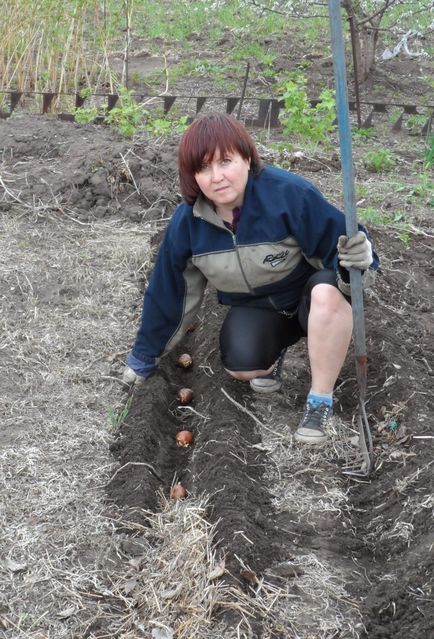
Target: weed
point(415, 123)
point(86, 92)
point(373, 216)
point(394, 115)
point(136, 78)
point(163, 126)
point(379, 161)
point(361, 190)
point(364, 134)
point(255, 50)
point(425, 188)
point(370, 215)
point(429, 150)
point(117, 419)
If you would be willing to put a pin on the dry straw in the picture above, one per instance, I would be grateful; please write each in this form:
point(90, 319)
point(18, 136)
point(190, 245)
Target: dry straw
point(48, 46)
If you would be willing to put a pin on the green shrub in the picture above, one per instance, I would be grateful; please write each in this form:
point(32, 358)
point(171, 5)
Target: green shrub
point(364, 134)
point(164, 126)
point(85, 115)
point(126, 115)
point(379, 161)
point(300, 118)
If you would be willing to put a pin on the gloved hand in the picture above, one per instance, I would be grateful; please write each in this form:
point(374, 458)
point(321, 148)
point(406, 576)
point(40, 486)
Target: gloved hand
point(355, 252)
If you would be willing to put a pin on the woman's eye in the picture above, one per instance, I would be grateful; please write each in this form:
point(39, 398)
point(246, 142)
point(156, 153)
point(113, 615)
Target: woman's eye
point(226, 160)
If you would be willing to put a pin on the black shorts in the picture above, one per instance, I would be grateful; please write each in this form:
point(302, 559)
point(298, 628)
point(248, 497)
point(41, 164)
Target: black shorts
point(253, 338)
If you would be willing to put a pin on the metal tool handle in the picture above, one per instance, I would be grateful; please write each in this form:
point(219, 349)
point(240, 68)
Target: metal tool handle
point(347, 167)
point(350, 220)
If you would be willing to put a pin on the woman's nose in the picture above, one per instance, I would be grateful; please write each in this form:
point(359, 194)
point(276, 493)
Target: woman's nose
point(216, 173)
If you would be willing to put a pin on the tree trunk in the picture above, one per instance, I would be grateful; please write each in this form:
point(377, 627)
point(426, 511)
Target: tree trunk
point(365, 48)
point(365, 37)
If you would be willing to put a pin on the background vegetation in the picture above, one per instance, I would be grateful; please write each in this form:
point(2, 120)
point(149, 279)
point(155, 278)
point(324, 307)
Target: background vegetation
point(66, 46)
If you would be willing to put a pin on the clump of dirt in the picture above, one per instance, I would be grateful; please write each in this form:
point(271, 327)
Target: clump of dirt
point(86, 171)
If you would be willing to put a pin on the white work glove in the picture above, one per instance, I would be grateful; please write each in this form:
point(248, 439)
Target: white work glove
point(355, 252)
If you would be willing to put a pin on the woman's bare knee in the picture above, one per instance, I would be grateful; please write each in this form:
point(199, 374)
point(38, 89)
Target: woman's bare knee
point(246, 376)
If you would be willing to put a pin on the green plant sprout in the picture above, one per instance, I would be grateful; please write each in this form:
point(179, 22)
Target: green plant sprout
point(117, 419)
point(429, 150)
point(370, 215)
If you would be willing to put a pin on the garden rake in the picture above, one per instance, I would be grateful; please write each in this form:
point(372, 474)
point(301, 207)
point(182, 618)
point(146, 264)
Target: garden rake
point(366, 457)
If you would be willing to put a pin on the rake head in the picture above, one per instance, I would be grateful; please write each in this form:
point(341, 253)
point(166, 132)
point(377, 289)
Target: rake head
point(363, 465)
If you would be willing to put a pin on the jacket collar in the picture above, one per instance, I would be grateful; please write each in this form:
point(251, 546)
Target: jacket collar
point(204, 209)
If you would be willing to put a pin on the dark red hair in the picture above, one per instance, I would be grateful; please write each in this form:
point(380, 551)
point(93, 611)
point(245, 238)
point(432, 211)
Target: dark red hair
point(200, 142)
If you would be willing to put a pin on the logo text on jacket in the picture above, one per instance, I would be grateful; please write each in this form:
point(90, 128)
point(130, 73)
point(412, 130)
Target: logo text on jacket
point(276, 259)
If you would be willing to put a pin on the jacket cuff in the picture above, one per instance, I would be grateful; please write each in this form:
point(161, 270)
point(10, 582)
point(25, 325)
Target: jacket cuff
point(343, 276)
point(142, 369)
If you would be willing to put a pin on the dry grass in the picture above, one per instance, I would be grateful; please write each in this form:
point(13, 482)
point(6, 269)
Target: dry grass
point(63, 320)
point(306, 483)
point(173, 584)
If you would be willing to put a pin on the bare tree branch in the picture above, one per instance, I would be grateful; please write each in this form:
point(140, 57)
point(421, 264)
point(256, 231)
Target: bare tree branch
point(264, 8)
point(379, 13)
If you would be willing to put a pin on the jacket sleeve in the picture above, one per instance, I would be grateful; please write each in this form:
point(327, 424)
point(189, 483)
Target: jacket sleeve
point(172, 298)
point(317, 225)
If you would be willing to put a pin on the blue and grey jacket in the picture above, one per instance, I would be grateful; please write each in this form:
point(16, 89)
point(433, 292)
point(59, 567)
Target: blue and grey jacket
point(287, 231)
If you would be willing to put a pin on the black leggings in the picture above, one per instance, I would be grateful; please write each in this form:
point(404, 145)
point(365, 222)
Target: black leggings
point(252, 338)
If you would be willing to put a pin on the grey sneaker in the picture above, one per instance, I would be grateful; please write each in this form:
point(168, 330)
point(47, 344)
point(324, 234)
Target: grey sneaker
point(311, 429)
point(272, 382)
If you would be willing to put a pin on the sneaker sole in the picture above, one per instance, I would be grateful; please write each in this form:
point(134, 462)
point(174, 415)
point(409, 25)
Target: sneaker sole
point(272, 388)
point(312, 440)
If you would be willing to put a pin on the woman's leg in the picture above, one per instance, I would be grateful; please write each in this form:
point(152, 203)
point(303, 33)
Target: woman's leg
point(329, 333)
point(327, 316)
point(252, 339)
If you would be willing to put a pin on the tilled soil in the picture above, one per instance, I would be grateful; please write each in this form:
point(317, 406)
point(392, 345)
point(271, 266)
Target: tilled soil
point(391, 536)
point(382, 541)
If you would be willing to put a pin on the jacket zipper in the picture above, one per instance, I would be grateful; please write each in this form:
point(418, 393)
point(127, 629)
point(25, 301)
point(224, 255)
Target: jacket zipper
point(234, 240)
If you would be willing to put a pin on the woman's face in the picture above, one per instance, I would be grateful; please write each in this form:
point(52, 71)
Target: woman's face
point(223, 178)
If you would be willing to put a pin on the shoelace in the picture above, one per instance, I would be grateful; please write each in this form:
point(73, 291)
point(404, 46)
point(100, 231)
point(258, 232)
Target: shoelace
point(316, 415)
point(277, 370)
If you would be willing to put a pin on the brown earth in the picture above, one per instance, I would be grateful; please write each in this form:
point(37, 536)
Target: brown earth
point(383, 542)
point(391, 536)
